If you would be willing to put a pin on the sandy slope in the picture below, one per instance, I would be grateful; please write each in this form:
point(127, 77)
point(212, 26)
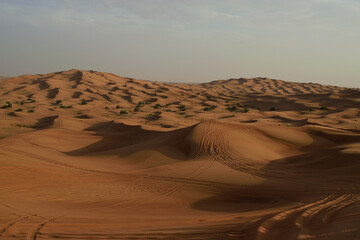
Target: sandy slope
point(221, 167)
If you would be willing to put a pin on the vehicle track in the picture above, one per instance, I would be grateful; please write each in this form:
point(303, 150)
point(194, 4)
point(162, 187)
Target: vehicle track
point(33, 234)
point(11, 223)
point(305, 221)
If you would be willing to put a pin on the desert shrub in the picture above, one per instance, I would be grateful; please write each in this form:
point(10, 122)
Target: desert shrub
point(157, 106)
point(273, 109)
point(123, 112)
point(209, 108)
point(117, 106)
point(231, 109)
point(153, 116)
point(182, 107)
point(142, 103)
point(29, 100)
point(7, 105)
point(58, 102)
point(246, 110)
point(83, 102)
point(106, 107)
point(51, 109)
point(323, 108)
point(64, 106)
point(18, 110)
point(31, 111)
point(137, 108)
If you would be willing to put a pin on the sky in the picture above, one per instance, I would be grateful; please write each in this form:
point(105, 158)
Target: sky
point(185, 40)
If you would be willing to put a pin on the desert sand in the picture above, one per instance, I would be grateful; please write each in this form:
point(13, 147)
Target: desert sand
point(91, 155)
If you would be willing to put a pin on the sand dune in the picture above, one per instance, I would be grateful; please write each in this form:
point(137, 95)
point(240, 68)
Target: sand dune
point(91, 155)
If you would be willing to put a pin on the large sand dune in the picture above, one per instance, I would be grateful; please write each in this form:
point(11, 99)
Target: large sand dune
point(91, 155)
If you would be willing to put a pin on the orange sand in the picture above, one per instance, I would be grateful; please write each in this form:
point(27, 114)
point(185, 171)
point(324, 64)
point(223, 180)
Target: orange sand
point(221, 167)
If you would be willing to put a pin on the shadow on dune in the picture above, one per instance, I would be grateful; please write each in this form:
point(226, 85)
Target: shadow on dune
point(293, 122)
point(279, 103)
point(52, 93)
point(324, 168)
point(283, 103)
point(316, 193)
point(45, 122)
point(121, 139)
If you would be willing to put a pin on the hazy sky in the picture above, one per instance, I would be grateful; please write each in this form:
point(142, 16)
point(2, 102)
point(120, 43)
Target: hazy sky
point(185, 40)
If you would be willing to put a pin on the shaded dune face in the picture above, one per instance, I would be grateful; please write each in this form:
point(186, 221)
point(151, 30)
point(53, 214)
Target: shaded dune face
point(91, 155)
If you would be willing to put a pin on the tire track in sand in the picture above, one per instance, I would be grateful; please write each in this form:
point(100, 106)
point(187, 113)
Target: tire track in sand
point(33, 234)
point(11, 223)
point(303, 221)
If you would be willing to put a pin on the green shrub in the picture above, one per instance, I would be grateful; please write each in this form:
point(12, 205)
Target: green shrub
point(209, 108)
point(232, 109)
point(7, 105)
point(246, 110)
point(182, 107)
point(157, 106)
point(153, 116)
point(323, 108)
point(141, 103)
point(18, 110)
point(83, 102)
point(31, 111)
point(123, 112)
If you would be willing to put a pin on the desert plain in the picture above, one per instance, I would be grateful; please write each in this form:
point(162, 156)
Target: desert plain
point(92, 155)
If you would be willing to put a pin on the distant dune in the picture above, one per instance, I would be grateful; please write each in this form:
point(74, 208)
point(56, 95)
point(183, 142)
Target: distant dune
point(92, 155)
